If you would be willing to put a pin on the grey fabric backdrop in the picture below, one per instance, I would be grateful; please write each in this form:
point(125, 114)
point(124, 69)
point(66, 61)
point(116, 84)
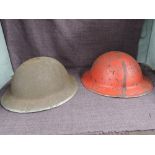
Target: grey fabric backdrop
point(76, 43)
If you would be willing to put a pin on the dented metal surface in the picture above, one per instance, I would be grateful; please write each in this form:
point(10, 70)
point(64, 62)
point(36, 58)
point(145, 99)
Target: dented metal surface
point(116, 74)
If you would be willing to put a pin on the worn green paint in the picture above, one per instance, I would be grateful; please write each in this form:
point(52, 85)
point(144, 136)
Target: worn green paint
point(6, 70)
point(51, 87)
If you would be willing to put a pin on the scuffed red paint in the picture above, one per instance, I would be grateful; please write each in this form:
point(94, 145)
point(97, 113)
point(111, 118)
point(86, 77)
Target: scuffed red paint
point(116, 74)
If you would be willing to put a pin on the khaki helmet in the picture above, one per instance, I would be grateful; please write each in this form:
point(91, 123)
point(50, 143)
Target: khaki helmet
point(38, 84)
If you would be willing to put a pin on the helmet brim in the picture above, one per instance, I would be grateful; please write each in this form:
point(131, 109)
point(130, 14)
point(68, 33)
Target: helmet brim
point(15, 104)
point(140, 89)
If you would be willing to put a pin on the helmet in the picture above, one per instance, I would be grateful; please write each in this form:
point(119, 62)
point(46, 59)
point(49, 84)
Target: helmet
point(116, 74)
point(39, 84)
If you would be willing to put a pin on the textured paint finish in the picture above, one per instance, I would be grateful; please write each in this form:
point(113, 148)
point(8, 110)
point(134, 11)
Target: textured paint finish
point(6, 71)
point(40, 83)
point(116, 74)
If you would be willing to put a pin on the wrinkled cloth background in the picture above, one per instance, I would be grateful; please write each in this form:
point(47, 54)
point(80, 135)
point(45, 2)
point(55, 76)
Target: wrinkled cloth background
point(76, 44)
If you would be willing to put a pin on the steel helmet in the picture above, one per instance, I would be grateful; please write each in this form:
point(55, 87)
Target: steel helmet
point(39, 84)
point(116, 74)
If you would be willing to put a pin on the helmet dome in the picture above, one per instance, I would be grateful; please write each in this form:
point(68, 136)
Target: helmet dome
point(116, 74)
point(39, 83)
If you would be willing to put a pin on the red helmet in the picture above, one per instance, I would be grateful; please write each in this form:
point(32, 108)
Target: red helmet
point(116, 74)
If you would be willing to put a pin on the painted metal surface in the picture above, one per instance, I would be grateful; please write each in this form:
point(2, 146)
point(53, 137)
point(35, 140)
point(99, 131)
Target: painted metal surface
point(38, 84)
point(116, 74)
